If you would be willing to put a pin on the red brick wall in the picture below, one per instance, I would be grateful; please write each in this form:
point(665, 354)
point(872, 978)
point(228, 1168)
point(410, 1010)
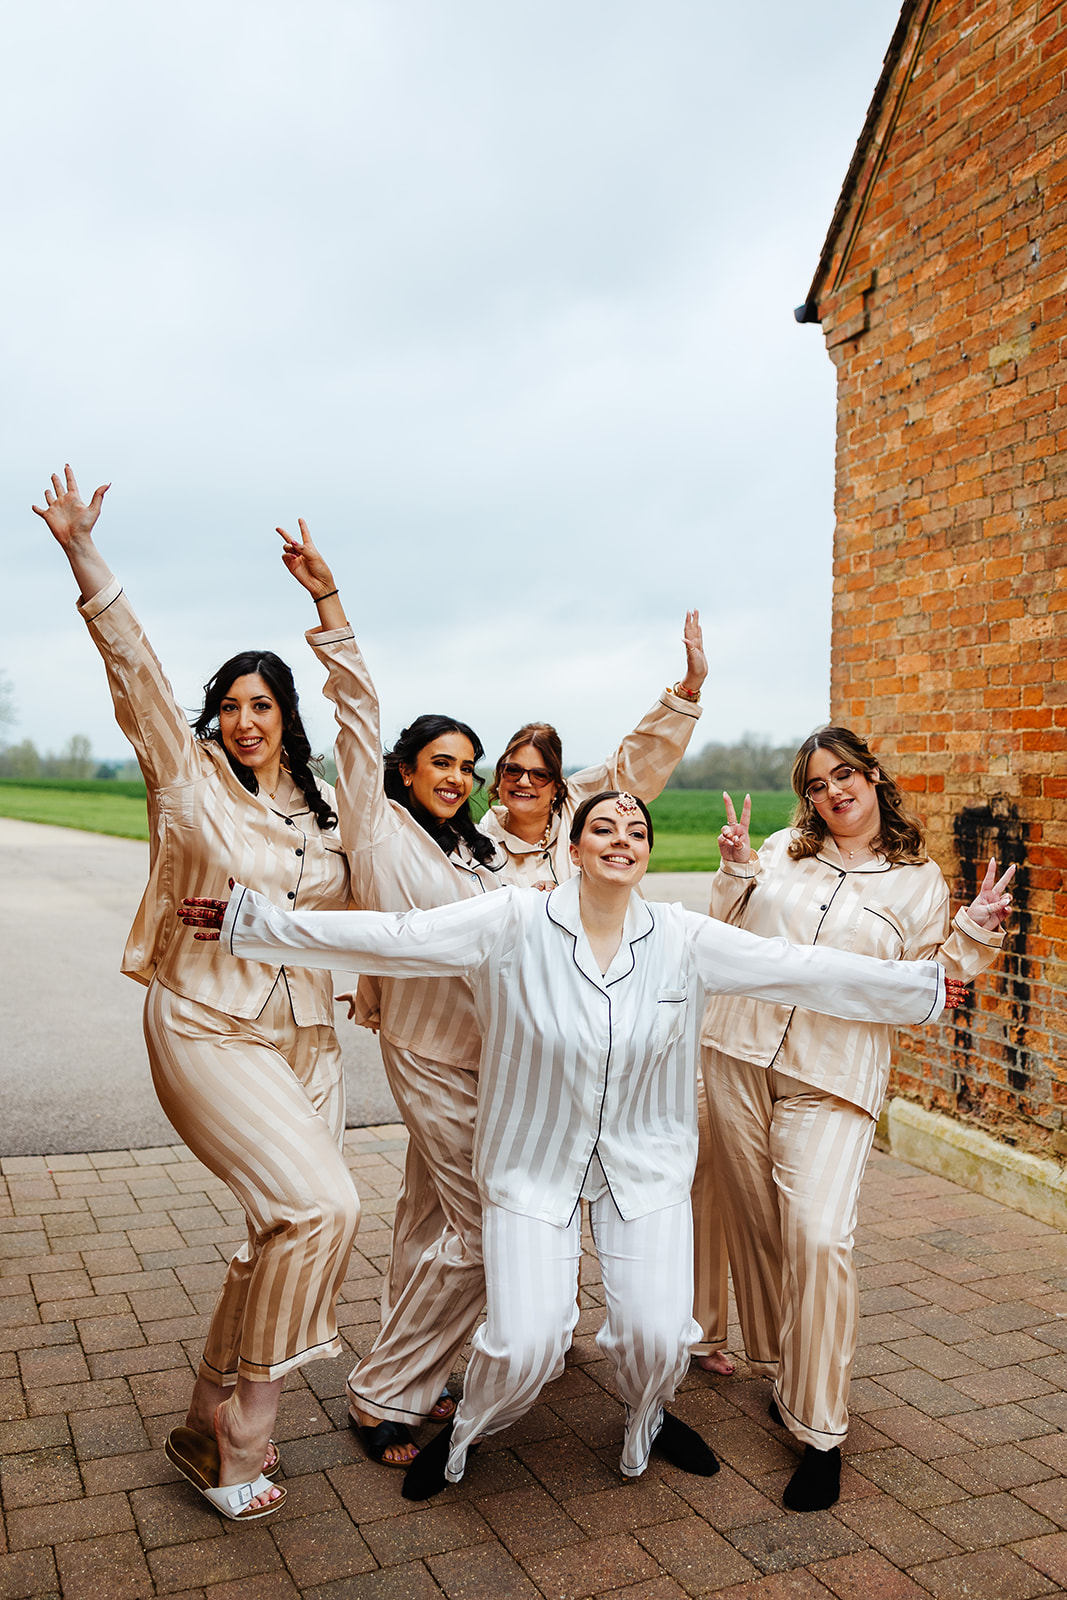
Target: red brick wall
point(950, 557)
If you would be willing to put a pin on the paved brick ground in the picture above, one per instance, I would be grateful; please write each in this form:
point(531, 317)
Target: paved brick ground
point(954, 1483)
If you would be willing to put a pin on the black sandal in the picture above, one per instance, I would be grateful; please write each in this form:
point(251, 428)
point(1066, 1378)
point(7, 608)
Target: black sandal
point(384, 1436)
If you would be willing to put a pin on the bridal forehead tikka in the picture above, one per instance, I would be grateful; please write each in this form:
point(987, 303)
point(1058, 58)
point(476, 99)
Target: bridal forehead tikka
point(626, 805)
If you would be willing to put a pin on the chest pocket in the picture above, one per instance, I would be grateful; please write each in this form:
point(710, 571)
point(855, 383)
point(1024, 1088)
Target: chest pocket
point(670, 1016)
point(875, 934)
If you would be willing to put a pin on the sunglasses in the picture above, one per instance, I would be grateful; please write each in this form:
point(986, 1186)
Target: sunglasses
point(537, 775)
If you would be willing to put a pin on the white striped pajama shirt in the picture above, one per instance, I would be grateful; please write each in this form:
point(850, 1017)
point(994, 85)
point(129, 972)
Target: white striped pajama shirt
point(576, 1063)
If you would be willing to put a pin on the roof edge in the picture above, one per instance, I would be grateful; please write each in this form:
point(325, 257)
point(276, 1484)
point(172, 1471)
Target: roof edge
point(898, 67)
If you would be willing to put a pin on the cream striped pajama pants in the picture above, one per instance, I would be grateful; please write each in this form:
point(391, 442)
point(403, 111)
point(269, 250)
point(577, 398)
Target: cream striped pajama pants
point(436, 1296)
point(531, 1270)
point(710, 1302)
point(790, 1162)
point(262, 1104)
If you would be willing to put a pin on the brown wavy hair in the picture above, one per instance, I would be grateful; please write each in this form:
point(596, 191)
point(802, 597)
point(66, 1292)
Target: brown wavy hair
point(900, 834)
point(546, 741)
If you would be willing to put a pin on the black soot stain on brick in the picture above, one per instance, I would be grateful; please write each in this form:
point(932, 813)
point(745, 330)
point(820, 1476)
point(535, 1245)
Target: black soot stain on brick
point(996, 829)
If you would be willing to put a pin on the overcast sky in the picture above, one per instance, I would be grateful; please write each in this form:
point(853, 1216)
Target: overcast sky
point(498, 295)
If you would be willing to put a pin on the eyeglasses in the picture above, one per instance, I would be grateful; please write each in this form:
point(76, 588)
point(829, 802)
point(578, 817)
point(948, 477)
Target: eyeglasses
point(537, 775)
point(841, 778)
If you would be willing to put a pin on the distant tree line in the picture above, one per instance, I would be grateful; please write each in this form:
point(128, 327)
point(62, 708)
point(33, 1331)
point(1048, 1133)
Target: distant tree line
point(75, 760)
point(750, 764)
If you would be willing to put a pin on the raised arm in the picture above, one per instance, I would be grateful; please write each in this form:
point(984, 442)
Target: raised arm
point(835, 982)
point(71, 523)
point(362, 808)
point(977, 934)
point(145, 707)
point(307, 566)
point(646, 757)
point(449, 941)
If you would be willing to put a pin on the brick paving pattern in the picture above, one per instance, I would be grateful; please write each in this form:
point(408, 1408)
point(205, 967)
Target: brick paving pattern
point(954, 1480)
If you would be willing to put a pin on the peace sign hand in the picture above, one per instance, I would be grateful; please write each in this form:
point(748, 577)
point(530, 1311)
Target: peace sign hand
point(305, 563)
point(991, 907)
point(734, 843)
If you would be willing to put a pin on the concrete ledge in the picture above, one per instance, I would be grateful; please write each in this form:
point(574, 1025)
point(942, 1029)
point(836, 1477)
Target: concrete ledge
point(1027, 1183)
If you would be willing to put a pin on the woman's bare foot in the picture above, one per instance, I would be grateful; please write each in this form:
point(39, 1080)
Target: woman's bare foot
point(205, 1401)
point(716, 1361)
point(242, 1425)
point(395, 1455)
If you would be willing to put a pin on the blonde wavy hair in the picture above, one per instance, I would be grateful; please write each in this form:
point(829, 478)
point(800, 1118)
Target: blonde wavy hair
point(900, 833)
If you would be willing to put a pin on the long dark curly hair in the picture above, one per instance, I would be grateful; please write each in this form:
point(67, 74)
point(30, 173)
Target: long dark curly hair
point(405, 753)
point(296, 750)
point(900, 834)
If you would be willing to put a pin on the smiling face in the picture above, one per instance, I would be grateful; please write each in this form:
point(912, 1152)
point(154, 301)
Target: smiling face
point(850, 811)
point(443, 775)
point(529, 797)
point(251, 725)
point(613, 847)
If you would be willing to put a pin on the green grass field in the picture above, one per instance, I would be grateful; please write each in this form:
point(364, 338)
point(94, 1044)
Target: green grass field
point(687, 821)
point(117, 808)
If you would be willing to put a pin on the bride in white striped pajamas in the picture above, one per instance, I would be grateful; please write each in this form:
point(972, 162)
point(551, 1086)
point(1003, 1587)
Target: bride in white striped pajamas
point(589, 1000)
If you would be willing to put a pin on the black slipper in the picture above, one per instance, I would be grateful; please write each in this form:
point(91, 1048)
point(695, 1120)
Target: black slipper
point(384, 1436)
point(816, 1483)
point(774, 1414)
point(425, 1476)
point(684, 1448)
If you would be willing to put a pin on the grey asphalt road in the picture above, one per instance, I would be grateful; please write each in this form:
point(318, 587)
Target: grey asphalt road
point(73, 1071)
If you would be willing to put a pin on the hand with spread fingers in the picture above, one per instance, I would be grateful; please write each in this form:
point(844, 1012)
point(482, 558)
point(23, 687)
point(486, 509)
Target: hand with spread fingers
point(734, 842)
point(66, 513)
point(991, 907)
point(204, 914)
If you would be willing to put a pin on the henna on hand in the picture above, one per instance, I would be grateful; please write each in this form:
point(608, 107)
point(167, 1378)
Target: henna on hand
point(204, 914)
point(956, 993)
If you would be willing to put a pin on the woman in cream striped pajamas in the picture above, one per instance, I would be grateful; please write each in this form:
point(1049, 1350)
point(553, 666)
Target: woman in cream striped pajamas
point(244, 1058)
point(589, 1000)
point(793, 1098)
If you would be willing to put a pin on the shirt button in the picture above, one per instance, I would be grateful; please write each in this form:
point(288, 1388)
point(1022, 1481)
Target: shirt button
point(292, 894)
point(300, 852)
point(288, 822)
point(821, 908)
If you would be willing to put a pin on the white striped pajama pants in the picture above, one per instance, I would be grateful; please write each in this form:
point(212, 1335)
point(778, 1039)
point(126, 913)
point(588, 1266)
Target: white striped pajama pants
point(434, 1297)
point(790, 1162)
point(531, 1270)
point(262, 1104)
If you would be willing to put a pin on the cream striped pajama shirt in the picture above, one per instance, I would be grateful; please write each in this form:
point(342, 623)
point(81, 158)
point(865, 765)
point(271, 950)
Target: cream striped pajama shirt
point(434, 1287)
point(641, 765)
point(793, 1098)
point(244, 1058)
point(577, 1065)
